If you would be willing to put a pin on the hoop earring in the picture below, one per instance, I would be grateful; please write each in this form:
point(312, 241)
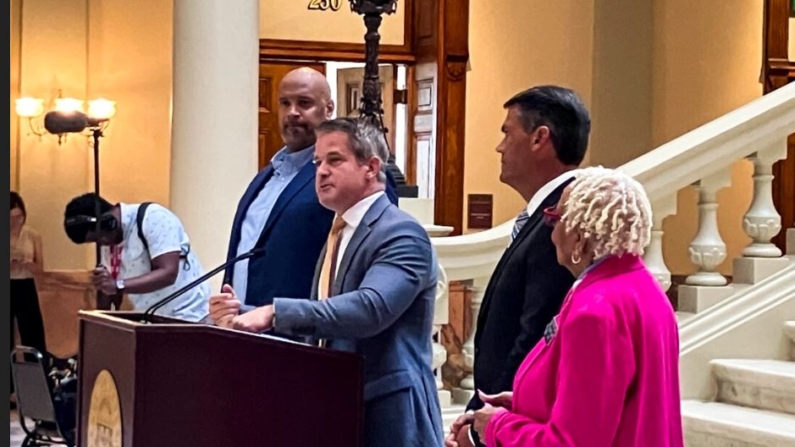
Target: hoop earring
point(576, 260)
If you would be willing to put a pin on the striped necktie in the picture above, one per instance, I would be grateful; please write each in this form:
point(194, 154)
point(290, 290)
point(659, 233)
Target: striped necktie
point(521, 219)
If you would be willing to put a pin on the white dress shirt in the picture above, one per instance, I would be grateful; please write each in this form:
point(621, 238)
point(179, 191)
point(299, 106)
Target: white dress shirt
point(544, 192)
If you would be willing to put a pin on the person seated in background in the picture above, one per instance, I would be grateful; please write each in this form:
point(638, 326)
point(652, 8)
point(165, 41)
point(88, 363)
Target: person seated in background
point(606, 373)
point(27, 261)
point(146, 254)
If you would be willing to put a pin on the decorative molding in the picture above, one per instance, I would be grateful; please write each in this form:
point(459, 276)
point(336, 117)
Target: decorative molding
point(456, 70)
point(299, 50)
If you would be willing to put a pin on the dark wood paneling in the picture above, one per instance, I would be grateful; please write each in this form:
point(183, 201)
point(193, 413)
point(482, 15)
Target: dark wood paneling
point(777, 72)
point(427, 19)
point(295, 50)
point(452, 54)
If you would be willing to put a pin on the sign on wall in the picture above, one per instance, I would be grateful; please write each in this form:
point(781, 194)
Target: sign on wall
point(324, 5)
point(324, 21)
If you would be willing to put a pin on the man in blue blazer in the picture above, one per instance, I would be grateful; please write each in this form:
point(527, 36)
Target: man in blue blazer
point(373, 290)
point(279, 211)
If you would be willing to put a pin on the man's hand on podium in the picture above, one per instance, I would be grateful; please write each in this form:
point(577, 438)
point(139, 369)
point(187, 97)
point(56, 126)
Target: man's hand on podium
point(257, 320)
point(224, 306)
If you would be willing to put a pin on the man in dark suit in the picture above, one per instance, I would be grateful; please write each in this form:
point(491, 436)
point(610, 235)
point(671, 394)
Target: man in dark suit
point(545, 136)
point(373, 292)
point(279, 211)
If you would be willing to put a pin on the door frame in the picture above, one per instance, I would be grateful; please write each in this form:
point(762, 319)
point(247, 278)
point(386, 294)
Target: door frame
point(778, 70)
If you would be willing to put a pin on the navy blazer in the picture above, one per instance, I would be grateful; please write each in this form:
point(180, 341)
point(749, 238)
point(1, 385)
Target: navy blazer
point(292, 238)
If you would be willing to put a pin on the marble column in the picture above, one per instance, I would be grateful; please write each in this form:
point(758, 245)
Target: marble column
point(214, 118)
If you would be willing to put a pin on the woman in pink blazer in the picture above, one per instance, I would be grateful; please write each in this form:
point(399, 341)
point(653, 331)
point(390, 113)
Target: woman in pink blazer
point(606, 373)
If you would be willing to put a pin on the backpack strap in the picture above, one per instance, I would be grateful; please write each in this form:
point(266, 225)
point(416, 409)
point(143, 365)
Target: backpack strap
point(139, 219)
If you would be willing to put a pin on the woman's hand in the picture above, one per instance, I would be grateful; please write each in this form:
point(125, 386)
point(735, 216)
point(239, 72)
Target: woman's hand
point(482, 419)
point(502, 400)
point(454, 438)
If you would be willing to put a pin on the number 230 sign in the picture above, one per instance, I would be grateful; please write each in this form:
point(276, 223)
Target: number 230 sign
point(324, 5)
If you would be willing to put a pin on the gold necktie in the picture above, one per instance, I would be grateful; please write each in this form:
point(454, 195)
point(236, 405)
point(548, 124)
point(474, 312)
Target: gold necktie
point(328, 271)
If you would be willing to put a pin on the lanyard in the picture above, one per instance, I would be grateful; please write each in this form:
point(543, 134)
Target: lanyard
point(115, 261)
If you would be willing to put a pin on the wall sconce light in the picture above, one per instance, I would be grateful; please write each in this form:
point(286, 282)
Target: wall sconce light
point(66, 115)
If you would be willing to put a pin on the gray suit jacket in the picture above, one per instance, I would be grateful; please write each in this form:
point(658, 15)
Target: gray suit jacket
point(382, 308)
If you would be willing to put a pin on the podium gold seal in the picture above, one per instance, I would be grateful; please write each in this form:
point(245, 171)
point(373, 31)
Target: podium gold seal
point(104, 413)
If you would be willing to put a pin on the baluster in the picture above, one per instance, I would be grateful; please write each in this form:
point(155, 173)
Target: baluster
point(762, 222)
point(654, 259)
point(467, 390)
point(441, 316)
point(708, 251)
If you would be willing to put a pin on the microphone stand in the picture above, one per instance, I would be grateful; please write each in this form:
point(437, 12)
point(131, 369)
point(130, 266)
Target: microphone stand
point(96, 133)
point(150, 312)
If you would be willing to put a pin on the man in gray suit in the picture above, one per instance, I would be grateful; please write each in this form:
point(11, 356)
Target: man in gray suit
point(373, 292)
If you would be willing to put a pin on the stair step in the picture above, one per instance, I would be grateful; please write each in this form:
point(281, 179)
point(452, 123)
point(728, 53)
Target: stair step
point(762, 384)
point(789, 329)
point(682, 317)
point(713, 424)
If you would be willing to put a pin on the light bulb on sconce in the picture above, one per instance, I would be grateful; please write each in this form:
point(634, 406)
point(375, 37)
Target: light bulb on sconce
point(101, 109)
point(28, 107)
point(68, 105)
point(66, 116)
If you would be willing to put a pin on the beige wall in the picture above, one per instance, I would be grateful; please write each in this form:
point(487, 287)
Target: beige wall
point(133, 68)
point(557, 47)
point(791, 39)
point(292, 20)
point(90, 49)
point(15, 40)
point(707, 58)
point(622, 82)
point(53, 56)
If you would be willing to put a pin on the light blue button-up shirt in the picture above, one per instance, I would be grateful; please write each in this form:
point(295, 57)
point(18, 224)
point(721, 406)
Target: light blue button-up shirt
point(286, 166)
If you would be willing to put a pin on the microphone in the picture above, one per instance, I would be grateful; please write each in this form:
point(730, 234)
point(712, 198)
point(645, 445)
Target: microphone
point(65, 122)
point(147, 316)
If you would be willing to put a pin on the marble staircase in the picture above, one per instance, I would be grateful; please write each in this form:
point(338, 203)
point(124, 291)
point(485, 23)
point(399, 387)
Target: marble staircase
point(754, 401)
point(755, 404)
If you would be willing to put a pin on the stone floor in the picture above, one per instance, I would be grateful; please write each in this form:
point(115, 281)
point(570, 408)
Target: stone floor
point(17, 434)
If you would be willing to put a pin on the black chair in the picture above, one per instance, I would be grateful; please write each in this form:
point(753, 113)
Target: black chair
point(35, 400)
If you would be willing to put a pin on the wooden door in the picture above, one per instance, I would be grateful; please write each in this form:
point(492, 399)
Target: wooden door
point(270, 75)
point(349, 94)
point(778, 70)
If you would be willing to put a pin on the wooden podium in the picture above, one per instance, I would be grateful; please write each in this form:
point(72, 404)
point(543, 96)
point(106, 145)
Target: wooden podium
point(173, 383)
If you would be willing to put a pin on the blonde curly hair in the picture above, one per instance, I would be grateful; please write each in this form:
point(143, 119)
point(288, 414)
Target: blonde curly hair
point(611, 209)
